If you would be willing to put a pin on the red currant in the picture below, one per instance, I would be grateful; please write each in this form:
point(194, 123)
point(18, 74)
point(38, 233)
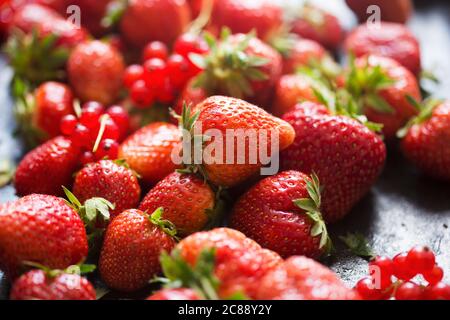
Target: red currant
point(68, 124)
point(82, 136)
point(108, 148)
point(166, 94)
point(409, 291)
point(87, 157)
point(120, 116)
point(434, 276)
point(155, 49)
point(190, 43)
point(366, 289)
point(141, 94)
point(111, 130)
point(90, 114)
point(382, 268)
point(155, 72)
point(178, 70)
point(401, 267)
point(421, 259)
point(132, 74)
point(439, 291)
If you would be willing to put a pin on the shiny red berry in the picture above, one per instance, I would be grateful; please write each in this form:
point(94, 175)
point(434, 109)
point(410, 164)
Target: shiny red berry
point(421, 259)
point(111, 130)
point(381, 270)
point(108, 148)
point(68, 124)
point(178, 70)
point(166, 94)
point(90, 114)
point(190, 43)
point(121, 118)
point(132, 74)
point(155, 72)
point(409, 291)
point(82, 136)
point(155, 49)
point(366, 289)
point(401, 267)
point(87, 157)
point(141, 95)
point(439, 291)
point(434, 276)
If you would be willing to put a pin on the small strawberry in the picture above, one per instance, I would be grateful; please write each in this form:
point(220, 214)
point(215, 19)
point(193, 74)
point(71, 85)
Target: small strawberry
point(224, 113)
point(42, 229)
point(111, 180)
point(391, 40)
point(319, 25)
point(322, 146)
point(382, 86)
point(187, 200)
point(52, 285)
point(240, 66)
point(48, 167)
point(174, 294)
point(282, 214)
point(131, 248)
point(426, 141)
point(390, 10)
point(95, 70)
point(300, 278)
point(148, 151)
point(302, 52)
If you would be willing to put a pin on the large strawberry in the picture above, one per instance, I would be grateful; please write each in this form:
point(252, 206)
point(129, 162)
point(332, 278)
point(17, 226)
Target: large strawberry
point(389, 10)
point(427, 141)
point(42, 229)
point(154, 20)
point(187, 200)
point(233, 263)
point(384, 89)
point(47, 168)
point(223, 114)
point(392, 40)
point(346, 156)
point(148, 151)
point(300, 278)
point(51, 285)
point(317, 24)
point(282, 214)
point(131, 248)
point(95, 71)
point(111, 180)
point(240, 66)
point(174, 294)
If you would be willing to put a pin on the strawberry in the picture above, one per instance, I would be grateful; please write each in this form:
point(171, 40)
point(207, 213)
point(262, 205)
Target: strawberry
point(42, 229)
point(392, 40)
point(319, 25)
point(301, 53)
point(174, 294)
point(48, 167)
point(390, 10)
point(95, 71)
point(148, 151)
point(300, 278)
point(187, 200)
point(154, 20)
point(233, 262)
point(131, 248)
point(41, 285)
point(282, 214)
point(111, 180)
point(322, 146)
point(225, 113)
point(384, 88)
point(427, 138)
point(240, 66)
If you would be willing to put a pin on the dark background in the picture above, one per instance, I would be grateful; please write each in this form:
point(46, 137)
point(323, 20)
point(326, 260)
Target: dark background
point(403, 209)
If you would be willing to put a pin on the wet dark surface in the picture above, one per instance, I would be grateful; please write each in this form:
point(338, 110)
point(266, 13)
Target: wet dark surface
point(403, 209)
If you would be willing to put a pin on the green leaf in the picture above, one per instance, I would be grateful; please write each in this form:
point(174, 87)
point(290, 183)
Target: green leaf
point(377, 103)
point(73, 201)
point(114, 13)
point(198, 60)
point(306, 204)
point(358, 245)
point(7, 170)
point(167, 226)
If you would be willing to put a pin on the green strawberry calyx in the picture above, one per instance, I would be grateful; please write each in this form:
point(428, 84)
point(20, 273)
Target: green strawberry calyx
point(358, 245)
point(228, 68)
point(78, 269)
point(7, 170)
point(311, 206)
point(114, 12)
point(167, 226)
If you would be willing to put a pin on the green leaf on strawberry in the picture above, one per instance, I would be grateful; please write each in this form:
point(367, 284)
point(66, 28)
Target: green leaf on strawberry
point(358, 245)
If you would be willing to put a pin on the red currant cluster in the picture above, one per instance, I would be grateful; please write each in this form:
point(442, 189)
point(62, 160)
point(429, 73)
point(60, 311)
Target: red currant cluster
point(161, 77)
point(393, 278)
point(97, 131)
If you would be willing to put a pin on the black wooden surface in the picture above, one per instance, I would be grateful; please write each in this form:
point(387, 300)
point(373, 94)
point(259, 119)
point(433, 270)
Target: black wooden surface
point(403, 209)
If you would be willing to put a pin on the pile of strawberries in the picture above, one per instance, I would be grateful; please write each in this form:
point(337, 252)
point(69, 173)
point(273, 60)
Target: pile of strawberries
point(106, 121)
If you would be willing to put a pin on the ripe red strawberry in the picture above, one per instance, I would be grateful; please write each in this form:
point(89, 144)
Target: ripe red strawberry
point(148, 151)
point(131, 248)
point(111, 180)
point(187, 200)
point(346, 156)
point(154, 20)
point(225, 113)
point(390, 10)
point(301, 54)
point(427, 141)
point(319, 25)
point(392, 40)
point(40, 285)
point(300, 278)
point(238, 262)
point(282, 214)
point(95, 71)
point(47, 168)
point(42, 229)
point(240, 66)
point(174, 294)
point(382, 86)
